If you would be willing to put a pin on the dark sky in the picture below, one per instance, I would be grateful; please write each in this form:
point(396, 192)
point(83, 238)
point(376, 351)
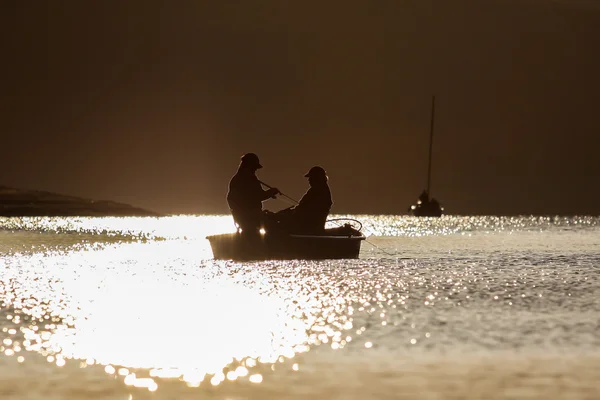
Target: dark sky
point(153, 102)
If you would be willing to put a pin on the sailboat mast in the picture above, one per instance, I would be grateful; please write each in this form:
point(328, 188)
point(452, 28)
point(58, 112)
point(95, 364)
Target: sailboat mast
point(430, 144)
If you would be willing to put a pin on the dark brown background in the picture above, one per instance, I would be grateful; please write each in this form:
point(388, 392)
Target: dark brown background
point(153, 102)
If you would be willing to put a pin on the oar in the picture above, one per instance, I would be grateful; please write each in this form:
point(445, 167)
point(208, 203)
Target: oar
point(284, 195)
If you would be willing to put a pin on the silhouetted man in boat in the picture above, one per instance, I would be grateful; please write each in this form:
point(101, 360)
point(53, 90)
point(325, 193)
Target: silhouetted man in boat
point(424, 197)
point(309, 216)
point(245, 195)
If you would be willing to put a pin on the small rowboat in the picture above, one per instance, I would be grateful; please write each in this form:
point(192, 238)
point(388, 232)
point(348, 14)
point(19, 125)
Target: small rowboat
point(334, 243)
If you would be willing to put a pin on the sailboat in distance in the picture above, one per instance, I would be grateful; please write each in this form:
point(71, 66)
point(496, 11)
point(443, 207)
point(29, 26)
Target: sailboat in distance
point(428, 206)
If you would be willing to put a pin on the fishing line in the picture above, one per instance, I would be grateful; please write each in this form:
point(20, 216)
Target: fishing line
point(360, 227)
point(283, 194)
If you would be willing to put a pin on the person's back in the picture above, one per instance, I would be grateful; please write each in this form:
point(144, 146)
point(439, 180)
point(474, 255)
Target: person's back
point(245, 195)
point(310, 215)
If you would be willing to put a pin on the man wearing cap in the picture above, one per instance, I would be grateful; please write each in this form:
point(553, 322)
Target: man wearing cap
point(310, 214)
point(245, 195)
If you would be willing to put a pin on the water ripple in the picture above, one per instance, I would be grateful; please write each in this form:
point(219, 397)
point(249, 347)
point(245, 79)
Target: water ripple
point(158, 312)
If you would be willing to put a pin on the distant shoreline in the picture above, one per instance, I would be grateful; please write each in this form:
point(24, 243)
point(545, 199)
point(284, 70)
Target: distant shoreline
point(35, 203)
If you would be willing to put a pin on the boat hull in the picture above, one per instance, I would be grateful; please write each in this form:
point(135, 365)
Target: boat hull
point(236, 246)
point(426, 210)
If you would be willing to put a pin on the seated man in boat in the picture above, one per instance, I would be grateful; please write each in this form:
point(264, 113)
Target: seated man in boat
point(245, 195)
point(309, 216)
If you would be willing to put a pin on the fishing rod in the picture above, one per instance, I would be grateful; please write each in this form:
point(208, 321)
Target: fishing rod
point(283, 194)
point(331, 220)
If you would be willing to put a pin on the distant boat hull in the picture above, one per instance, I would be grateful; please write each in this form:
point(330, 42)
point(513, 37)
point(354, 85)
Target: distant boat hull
point(333, 244)
point(426, 210)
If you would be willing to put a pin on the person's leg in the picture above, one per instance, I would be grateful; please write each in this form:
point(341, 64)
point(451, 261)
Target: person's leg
point(280, 221)
point(249, 223)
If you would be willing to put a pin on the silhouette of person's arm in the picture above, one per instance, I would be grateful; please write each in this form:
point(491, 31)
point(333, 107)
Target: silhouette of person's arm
point(270, 193)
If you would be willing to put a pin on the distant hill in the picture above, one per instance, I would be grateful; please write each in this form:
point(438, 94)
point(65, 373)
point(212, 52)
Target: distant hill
point(34, 203)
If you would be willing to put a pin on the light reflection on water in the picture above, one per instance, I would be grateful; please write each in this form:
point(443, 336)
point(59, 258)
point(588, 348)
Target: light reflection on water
point(197, 227)
point(142, 298)
point(137, 306)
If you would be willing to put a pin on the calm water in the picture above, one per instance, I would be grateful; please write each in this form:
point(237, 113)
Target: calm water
point(450, 308)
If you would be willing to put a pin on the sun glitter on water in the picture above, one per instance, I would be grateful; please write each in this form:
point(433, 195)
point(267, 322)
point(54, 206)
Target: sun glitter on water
point(139, 306)
point(141, 299)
